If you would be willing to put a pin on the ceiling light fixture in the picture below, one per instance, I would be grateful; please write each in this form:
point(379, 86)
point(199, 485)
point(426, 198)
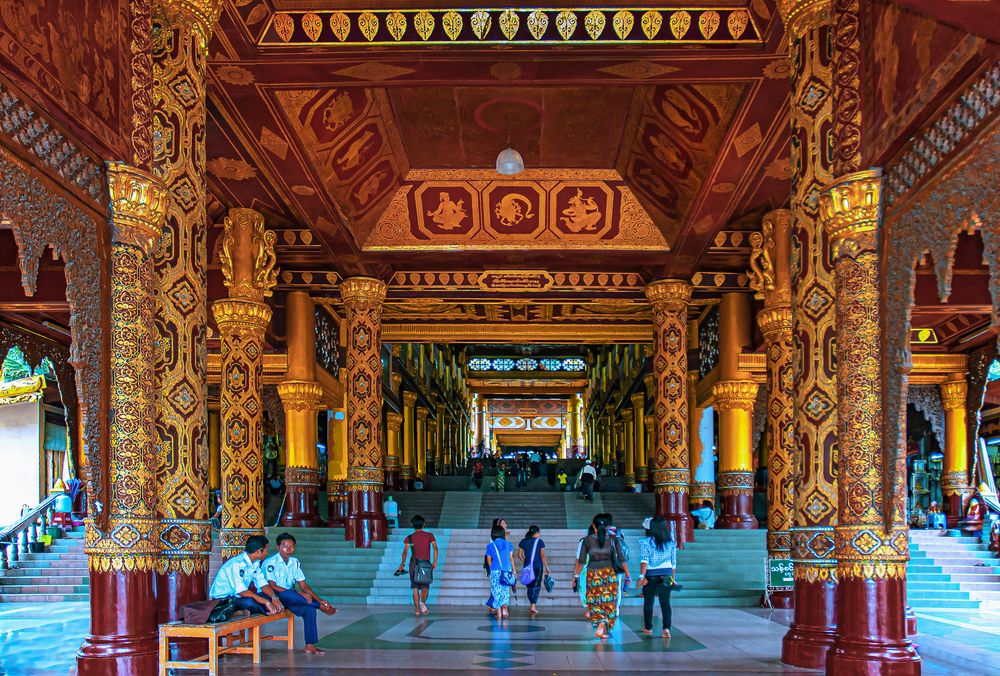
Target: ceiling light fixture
point(509, 161)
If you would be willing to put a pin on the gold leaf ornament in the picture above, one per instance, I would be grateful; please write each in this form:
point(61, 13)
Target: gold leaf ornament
point(340, 25)
point(679, 23)
point(737, 23)
point(708, 23)
point(651, 22)
point(509, 23)
point(538, 22)
point(566, 23)
point(594, 23)
point(396, 23)
point(452, 23)
point(284, 26)
point(424, 23)
point(623, 23)
point(481, 23)
point(368, 23)
point(312, 25)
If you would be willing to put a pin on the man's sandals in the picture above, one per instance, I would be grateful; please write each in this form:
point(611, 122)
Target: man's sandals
point(327, 607)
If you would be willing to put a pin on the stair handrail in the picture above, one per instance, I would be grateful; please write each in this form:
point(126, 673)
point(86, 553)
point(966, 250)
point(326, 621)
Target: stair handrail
point(984, 474)
point(9, 533)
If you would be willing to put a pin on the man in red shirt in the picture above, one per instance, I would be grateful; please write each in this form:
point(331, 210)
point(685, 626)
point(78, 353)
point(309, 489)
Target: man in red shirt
point(422, 543)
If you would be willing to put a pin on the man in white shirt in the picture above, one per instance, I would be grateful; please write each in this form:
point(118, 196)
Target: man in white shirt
point(238, 573)
point(283, 571)
point(588, 475)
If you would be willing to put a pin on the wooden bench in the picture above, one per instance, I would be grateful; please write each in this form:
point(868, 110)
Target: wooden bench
point(240, 635)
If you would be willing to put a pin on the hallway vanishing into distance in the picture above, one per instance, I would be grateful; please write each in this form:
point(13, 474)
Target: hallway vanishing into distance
point(423, 336)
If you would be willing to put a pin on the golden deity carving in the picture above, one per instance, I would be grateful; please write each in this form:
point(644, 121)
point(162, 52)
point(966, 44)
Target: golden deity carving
point(513, 209)
point(582, 214)
point(449, 214)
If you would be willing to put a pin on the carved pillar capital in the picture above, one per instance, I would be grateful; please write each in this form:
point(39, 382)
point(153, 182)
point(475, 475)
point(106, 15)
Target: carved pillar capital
point(363, 292)
point(735, 395)
point(953, 394)
point(138, 205)
point(671, 295)
point(409, 399)
point(235, 313)
point(800, 16)
point(850, 210)
point(421, 413)
point(300, 395)
point(201, 15)
point(247, 255)
point(775, 322)
point(394, 420)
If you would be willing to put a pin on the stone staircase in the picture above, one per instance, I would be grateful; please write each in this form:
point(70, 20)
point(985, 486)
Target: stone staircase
point(333, 567)
point(520, 510)
point(427, 504)
point(951, 572)
point(460, 509)
point(629, 509)
point(57, 574)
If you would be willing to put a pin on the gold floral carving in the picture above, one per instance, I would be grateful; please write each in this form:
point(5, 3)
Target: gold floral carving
point(138, 203)
point(800, 16)
point(812, 573)
point(245, 240)
point(851, 206)
point(953, 394)
point(300, 395)
point(202, 15)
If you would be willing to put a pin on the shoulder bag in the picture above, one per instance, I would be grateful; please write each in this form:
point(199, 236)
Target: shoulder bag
point(528, 572)
point(507, 577)
point(615, 563)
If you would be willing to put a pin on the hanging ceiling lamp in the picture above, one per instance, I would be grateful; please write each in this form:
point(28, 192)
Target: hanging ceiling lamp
point(509, 161)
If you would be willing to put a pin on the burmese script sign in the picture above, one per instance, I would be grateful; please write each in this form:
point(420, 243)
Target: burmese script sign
point(515, 280)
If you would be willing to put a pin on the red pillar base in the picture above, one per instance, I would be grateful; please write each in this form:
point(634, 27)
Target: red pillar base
point(814, 629)
point(911, 621)
point(392, 480)
point(301, 509)
point(124, 632)
point(336, 513)
point(673, 508)
point(736, 510)
point(366, 521)
point(954, 509)
point(871, 638)
point(173, 591)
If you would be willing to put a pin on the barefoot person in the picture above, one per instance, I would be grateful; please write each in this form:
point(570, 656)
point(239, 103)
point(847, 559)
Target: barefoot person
point(282, 572)
point(531, 554)
point(422, 543)
point(658, 561)
point(238, 573)
point(500, 558)
point(599, 552)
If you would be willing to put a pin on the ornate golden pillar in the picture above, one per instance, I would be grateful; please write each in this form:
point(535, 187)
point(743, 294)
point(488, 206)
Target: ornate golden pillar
point(363, 297)
point(669, 299)
point(336, 467)
point(807, 23)
point(214, 450)
point(247, 257)
point(735, 395)
point(607, 440)
point(439, 432)
point(300, 395)
point(394, 426)
point(421, 455)
point(955, 468)
point(628, 445)
point(433, 452)
point(573, 427)
point(408, 473)
point(181, 30)
point(770, 276)
point(649, 424)
point(639, 438)
point(122, 559)
point(700, 459)
point(871, 534)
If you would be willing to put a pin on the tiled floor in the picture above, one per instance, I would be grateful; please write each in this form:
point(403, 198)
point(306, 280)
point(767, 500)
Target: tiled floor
point(706, 640)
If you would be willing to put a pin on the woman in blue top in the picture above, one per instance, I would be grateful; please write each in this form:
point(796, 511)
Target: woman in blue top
point(658, 561)
point(500, 557)
point(531, 551)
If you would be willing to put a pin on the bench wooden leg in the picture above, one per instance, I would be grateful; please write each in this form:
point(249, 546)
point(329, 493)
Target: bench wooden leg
point(213, 656)
point(291, 633)
point(255, 638)
point(164, 654)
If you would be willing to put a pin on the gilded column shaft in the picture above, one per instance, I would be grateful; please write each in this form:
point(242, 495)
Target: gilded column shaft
point(872, 546)
point(180, 38)
point(363, 297)
point(734, 401)
point(439, 432)
point(247, 256)
point(955, 467)
point(770, 272)
point(421, 455)
point(639, 438)
point(138, 204)
point(671, 474)
point(336, 468)
point(812, 285)
point(409, 438)
point(394, 422)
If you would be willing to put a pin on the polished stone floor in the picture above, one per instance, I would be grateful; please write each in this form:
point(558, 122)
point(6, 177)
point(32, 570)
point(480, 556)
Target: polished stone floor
point(42, 639)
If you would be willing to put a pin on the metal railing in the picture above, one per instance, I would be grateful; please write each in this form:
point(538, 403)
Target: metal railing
point(16, 538)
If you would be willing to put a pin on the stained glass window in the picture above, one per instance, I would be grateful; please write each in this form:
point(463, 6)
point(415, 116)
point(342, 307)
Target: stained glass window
point(503, 364)
point(551, 364)
point(574, 364)
point(480, 364)
point(526, 364)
